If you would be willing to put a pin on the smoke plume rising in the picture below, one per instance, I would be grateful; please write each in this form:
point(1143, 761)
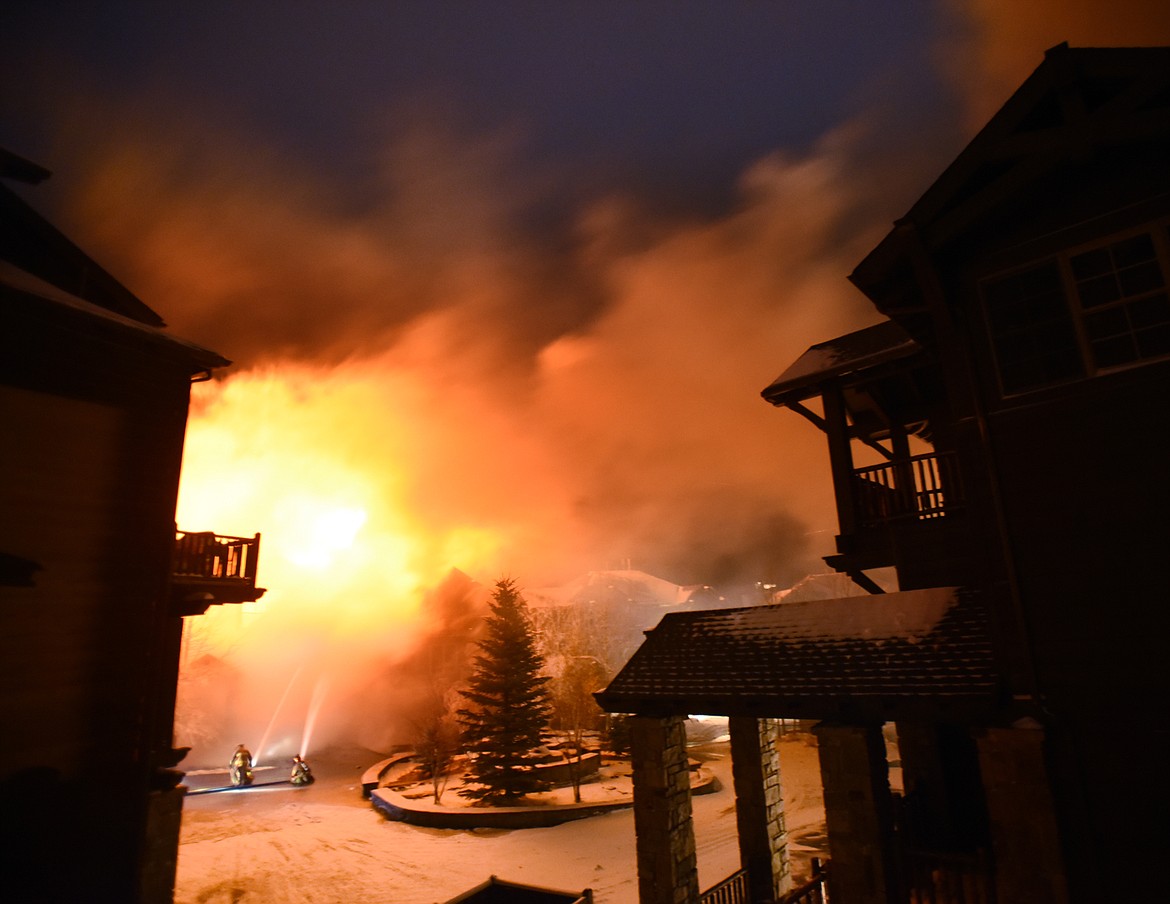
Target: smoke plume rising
point(407, 402)
point(453, 360)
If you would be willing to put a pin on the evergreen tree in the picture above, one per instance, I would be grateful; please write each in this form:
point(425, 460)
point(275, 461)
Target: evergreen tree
point(509, 711)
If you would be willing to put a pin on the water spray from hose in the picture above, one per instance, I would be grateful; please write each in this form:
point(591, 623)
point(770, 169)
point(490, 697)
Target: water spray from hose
point(319, 693)
point(275, 713)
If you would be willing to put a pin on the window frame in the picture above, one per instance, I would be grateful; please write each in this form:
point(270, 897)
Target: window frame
point(1159, 233)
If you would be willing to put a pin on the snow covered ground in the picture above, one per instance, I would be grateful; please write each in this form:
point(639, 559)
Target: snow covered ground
point(325, 845)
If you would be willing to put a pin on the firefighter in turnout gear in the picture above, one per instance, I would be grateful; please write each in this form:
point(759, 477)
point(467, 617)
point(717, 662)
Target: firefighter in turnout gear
point(240, 768)
point(301, 773)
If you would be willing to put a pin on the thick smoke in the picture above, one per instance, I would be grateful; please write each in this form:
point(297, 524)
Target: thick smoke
point(449, 361)
point(525, 406)
point(586, 398)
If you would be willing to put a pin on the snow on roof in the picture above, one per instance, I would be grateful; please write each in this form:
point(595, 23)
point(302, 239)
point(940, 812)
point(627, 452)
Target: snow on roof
point(43, 292)
point(774, 660)
point(826, 586)
point(852, 352)
point(498, 891)
point(909, 615)
point(621, 585)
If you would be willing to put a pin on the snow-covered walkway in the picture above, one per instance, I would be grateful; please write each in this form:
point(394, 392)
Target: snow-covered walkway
point(326, 845)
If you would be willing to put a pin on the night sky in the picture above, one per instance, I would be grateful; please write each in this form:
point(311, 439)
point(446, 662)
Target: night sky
point(517, 270)
point(675, 98)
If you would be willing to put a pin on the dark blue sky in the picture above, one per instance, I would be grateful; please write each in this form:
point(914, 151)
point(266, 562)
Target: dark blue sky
point(675, 97)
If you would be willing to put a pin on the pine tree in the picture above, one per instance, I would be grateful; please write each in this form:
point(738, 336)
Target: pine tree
point(509, 710)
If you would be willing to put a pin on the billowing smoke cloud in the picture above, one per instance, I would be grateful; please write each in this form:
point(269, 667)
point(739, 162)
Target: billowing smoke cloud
point(438, 368)
point(519, 404)
point(584, 398)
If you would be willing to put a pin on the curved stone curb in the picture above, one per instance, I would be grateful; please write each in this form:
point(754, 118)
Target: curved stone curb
point(398, 808)
point(372, 777)
point(395, 807)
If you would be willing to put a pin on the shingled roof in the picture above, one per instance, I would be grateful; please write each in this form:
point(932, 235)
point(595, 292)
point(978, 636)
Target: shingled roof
point(879, 656)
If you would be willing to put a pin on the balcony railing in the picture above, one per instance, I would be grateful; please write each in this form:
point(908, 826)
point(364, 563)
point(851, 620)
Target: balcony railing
point(209, 569)
point(948, 878)
point(734, 889)
point(921, 487)
point(205, 555)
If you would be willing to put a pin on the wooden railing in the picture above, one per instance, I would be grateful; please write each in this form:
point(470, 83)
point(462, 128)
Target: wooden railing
point(208, 556)
point(947, 878)
point(734, 889)
point(814, 891)
point(921, 487)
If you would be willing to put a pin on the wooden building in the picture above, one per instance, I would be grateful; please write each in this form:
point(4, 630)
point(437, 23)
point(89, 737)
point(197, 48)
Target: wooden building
point(93, 409)
point(1000, 439)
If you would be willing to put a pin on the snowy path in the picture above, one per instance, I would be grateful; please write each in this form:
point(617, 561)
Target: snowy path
point(325, 845)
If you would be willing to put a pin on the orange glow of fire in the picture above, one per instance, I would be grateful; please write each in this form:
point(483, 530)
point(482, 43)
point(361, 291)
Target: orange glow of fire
point(314, 461)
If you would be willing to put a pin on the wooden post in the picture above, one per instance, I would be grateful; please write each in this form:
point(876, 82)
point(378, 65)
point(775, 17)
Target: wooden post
point(840, 458)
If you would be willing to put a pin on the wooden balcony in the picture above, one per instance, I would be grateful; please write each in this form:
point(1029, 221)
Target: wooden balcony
point(210, 569)
point(907, 512)
point(918, 488)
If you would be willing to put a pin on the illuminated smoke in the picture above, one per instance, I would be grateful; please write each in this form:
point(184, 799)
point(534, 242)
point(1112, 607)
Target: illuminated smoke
point(466, 436)
point(434, 372)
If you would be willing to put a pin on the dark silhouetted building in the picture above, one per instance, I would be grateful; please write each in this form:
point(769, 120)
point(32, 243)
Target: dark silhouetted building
point(1001, 440)
point(93, 411)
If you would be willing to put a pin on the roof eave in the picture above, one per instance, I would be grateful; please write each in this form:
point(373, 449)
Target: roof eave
point(785, 390)
point(35, 292)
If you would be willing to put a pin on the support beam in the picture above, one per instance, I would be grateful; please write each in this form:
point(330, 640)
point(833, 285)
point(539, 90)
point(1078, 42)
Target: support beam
point(840, 458)
point(759, 807)
point(665, 834)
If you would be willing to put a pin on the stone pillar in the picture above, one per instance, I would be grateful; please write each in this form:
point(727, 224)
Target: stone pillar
point(1024, 831)
point(759, 807)
point(160, 861)
point(858, 813)
point(667, 866)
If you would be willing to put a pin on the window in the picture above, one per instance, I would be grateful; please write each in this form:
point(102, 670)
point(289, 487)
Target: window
point(1123, 300)
point(1081, 313)
point(1032, 328)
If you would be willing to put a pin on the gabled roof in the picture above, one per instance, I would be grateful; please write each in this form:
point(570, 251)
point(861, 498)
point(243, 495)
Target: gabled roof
point(861, 350)
point(1078, 101)
point(13, 166)
point(615, 587)
point(35, 245)
point(920, 650)
point(498, 891)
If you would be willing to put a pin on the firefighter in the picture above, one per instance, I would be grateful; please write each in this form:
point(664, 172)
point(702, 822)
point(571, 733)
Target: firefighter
point(240, 768)
point(301, 773)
